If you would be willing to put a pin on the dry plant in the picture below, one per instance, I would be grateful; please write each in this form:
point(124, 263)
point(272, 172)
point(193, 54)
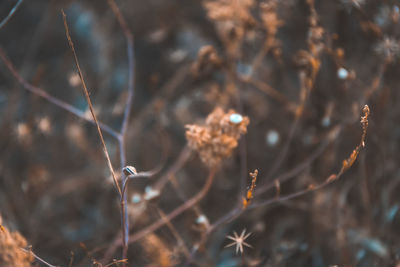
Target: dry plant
point(232, 19)
point(11, 253)
point(250, 192)
point(283, 65)
point(217, 139)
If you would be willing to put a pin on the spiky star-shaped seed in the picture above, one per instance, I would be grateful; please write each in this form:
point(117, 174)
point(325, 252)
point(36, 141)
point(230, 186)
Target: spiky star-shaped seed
point(239, 241)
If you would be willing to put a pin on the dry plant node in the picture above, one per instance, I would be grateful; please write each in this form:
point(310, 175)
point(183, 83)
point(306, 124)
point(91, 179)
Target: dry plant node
point(207, 61)
point(347, 163)
point(250, 192)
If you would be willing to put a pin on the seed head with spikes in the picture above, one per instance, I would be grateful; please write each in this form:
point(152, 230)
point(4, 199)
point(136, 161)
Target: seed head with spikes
point(239, 241)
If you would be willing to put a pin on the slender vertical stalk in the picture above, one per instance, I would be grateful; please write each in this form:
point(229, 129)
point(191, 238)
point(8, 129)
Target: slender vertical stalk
point(125, 120)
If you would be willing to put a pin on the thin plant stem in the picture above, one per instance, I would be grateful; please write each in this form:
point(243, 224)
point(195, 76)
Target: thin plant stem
point(125, 120)
point(301, 166)
point(178, 164)
point(161, 222)
point(268, 90)
point(86, 93)
point(188, 204)
point(242, 140)
point(174, 231)
point(40, 92)
point(11, 13)
point(29, 251)
point(123, 200)
point(124, 216)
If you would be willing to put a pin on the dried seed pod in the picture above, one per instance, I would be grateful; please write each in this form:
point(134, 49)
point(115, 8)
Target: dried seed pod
point(129, 170)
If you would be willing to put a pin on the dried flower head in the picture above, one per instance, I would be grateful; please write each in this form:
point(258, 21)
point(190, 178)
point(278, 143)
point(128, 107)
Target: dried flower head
point(270, 18)
point(221, 10)
point(11, 253)
point(217, 139)
point(388, 48)
point(232, 19)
